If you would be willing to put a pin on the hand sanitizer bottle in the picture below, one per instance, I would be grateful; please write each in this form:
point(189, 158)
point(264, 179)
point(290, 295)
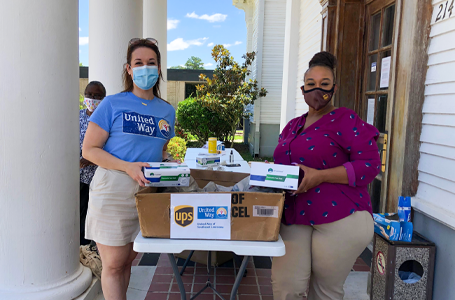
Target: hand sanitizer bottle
point(231, 157)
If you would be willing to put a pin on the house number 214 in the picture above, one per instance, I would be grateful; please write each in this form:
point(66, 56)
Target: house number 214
point(445, 11)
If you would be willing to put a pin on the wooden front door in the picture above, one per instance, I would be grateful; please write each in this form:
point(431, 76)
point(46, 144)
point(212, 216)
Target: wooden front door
point(375, 98)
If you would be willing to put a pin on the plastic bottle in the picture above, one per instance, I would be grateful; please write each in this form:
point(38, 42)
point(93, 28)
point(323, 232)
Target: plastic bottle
point(212, 145)
point(404, 209)
point(231, 157)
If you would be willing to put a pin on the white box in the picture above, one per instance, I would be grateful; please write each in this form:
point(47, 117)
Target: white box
point(167, 174)
point(208, 160)
point(274, 176)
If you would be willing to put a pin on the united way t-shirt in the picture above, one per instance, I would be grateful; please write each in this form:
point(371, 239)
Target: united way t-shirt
point(138, 128)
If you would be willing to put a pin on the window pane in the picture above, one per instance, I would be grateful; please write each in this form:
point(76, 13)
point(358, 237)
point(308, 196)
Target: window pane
point(375, 22)
point(190, 90)
point(384, 73)
point(387, 26)
point(381, 113)
point(372, 71)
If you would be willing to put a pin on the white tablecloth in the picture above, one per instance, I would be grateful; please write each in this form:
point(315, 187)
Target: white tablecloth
point(244, 168)
point(191, 153)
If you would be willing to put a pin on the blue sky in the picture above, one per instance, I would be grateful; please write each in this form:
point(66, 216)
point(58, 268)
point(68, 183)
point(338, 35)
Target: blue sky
point(193, 28)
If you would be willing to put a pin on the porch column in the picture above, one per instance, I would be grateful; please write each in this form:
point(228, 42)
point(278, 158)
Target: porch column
point(112, 24)
point(39, 152)
point(155, 26)
point(290, 67)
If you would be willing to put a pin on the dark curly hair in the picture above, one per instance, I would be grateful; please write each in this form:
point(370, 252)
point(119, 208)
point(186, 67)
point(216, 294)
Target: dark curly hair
point(98, 84)
point(323, 59)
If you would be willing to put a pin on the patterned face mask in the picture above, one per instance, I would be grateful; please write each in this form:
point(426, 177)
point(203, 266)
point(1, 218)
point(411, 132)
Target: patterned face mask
point(318, 98)
point(91, 104)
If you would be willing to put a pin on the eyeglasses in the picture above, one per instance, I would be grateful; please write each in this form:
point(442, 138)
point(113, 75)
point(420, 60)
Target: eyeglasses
point(147, 40)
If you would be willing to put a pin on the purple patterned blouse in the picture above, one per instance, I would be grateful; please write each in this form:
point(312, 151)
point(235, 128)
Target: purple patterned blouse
point(339, 138)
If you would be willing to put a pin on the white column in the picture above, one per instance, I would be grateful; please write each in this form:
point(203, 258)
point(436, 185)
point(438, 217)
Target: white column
point(112, 24)
point(155, 26)
point(39, 151)
point(290, 67)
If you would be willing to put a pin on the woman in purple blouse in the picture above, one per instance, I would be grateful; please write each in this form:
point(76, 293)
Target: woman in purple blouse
point(327, 222)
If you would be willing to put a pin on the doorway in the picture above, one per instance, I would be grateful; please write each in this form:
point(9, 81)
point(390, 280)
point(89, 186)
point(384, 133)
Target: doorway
point(376, 81)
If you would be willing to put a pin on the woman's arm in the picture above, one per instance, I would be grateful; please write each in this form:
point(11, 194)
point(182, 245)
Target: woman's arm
point(92, 150)
point(312, 177)
point(335, 175)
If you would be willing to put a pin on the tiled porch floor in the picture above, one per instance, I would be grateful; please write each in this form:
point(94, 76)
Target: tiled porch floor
point(255, 286)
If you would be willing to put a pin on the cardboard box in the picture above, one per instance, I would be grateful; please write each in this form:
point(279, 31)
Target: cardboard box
point(208, 160)
point(274, 176)
point(167, 174)
point(253, 216)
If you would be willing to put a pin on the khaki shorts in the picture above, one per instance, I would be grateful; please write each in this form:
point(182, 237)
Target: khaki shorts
point(112, 218)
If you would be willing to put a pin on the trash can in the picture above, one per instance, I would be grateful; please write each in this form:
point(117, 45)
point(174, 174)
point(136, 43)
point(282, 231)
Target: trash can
point(390, 259)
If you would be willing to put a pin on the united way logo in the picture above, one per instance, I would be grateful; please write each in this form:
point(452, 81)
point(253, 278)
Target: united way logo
point(221, 213)
point(212, 212)
point(270, 170)
point(164, 128)
point(134, 123)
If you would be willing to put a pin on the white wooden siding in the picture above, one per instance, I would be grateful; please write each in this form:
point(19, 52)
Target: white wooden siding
point(272, 60)
point(309, 44)
point(254, 48)
point(254, 39)
point(436, 191)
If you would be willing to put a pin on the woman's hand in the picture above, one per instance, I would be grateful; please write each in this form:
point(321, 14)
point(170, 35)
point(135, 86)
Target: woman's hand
point(311, 179)
point(134, 170)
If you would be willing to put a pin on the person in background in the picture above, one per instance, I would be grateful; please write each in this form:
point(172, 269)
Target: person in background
point(126, 131)
point(327, 222)
point(93, 95)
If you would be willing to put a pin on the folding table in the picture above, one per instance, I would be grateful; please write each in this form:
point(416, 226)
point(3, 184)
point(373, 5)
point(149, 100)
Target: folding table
point(244, 248)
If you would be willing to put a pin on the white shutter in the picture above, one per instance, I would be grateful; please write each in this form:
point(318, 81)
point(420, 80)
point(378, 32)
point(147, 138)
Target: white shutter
point(272, 60)
point(309, 44)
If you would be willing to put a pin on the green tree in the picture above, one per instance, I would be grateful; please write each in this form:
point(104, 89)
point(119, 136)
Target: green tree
point(228, 92)
point(178, 67)
point(193, 63)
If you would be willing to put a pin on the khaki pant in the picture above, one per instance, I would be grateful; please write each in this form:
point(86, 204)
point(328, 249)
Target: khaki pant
point(319, 258)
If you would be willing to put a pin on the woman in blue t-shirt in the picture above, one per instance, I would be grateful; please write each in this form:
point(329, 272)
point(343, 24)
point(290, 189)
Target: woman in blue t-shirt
point(126, 131)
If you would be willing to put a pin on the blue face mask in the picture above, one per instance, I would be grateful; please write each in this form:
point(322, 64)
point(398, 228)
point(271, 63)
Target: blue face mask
point(145, 77)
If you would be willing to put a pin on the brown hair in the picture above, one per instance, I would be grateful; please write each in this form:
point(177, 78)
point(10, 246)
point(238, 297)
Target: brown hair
point(127, 80)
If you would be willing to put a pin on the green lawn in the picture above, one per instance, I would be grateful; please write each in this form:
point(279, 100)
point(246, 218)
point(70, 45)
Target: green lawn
point(245, 153)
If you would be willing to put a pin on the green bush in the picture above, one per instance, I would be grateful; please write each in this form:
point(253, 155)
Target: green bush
point(198, 120)
point(81, 102)
point(177, 148)
point(180, 132)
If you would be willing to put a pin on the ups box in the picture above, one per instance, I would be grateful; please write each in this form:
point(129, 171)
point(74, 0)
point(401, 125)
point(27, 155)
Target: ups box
point(241, 216)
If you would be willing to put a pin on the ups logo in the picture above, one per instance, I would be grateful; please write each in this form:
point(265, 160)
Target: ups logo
point(183, 215)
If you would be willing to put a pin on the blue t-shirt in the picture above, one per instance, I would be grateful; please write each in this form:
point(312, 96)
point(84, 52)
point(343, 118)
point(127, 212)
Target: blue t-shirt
point(138, 128)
